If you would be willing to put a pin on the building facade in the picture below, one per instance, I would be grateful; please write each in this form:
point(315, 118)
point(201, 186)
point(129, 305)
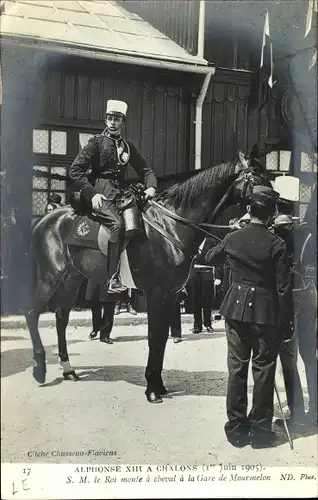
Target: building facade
point(55, 88)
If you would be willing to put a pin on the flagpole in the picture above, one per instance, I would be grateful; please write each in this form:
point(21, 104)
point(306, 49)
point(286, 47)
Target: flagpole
point(261, 90)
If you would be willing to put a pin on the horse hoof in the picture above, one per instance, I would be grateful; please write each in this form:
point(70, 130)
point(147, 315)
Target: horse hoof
point(106, 341)
point(71, 376)
point(39, 373)
point(163, 391)
point(153, 398)
point(39, 368)
point(93, 335)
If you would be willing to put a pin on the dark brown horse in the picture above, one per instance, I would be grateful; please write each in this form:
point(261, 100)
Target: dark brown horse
point(159, 266)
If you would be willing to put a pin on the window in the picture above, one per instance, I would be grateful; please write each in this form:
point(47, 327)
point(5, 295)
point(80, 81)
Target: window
point(83, 139)
point(279, 161)
point(50, 148)
point(308, 163)
point(308, 170)
point(58, 142)
point(45, 182)
point(49, 141)
point(40, 141)
point(305, 193)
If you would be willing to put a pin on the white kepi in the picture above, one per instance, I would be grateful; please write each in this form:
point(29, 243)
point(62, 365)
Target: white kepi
point(288, 187)
point(114, 107)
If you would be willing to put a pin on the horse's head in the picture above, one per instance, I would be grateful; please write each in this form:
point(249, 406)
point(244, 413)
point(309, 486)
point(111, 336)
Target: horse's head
point(250, 172)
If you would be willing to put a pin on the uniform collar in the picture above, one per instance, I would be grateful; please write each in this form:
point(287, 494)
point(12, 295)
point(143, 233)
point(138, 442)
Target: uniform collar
point(257, 223)
point(111, 136)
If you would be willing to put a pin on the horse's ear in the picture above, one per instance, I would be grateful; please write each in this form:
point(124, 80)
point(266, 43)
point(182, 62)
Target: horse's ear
point(242, 159)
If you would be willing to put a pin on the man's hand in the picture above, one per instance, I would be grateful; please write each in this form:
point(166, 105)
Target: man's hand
point(217, 282)
point(97, 201)
point(149, 193)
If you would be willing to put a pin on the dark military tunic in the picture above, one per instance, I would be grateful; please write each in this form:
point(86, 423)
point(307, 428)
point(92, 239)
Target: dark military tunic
point(108, 158)
point(258, 300)
point(260, 290)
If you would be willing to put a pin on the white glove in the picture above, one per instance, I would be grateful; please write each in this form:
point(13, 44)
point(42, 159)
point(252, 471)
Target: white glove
point(217, 282)
point(149, 193)
point(97, 201)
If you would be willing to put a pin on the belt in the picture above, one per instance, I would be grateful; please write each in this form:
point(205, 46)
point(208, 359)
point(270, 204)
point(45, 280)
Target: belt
point(112, 177)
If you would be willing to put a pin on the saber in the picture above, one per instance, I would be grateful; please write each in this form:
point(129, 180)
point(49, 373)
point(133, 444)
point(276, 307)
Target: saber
point(284, 419)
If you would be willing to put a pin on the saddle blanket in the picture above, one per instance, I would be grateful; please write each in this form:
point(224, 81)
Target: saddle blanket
point(87, 233)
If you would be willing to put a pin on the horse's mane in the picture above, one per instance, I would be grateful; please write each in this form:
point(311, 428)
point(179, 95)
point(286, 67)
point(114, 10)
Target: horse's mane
point(184, 193)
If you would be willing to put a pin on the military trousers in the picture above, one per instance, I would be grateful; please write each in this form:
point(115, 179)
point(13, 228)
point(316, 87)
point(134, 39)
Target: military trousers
point(260, 345)
point(202, 284)
point(103, 317)
point(110, 217)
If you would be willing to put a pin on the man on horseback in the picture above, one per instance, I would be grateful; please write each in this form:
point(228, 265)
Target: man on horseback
point(108, 155)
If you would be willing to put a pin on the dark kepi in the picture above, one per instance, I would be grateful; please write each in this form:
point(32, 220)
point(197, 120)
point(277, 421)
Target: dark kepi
point(264, 195)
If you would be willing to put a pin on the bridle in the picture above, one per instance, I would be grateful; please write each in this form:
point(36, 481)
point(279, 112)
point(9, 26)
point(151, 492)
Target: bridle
point(245, 174)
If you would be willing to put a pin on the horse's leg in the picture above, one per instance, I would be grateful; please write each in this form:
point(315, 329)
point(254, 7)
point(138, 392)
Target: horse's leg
point(66, 298)
point(158, 330)
point(44, 291)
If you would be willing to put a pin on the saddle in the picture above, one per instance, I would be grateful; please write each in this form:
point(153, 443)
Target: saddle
point(87, 229)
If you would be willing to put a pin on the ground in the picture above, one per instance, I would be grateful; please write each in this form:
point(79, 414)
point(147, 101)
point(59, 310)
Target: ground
point(107, 410)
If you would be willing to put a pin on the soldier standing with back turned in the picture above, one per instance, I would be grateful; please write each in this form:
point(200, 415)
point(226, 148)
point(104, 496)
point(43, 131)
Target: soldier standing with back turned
point(258, 313)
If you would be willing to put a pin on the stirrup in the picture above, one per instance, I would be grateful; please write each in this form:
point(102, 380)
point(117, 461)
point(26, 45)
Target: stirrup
point(115, 285)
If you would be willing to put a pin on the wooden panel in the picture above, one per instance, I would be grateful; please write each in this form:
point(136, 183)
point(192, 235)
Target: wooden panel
point(218, 136)
point(96, 103)
point(182, 136)
point(108, 90)
point(120, 87)
point(230, 130)
point(147, 115)
point(207, 135)
point(134, 99)
point(55, 94)
point(159, 131)
point(158, 115)
point(241, 133)
point(230, 121)
point(69, 99)
point(83, 97)
point(171, 138)
point(253, 129)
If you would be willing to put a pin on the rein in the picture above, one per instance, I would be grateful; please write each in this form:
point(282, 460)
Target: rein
point(164, 233)
point(183, 220)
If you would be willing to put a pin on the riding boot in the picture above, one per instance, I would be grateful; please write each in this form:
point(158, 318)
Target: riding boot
point(115, 285)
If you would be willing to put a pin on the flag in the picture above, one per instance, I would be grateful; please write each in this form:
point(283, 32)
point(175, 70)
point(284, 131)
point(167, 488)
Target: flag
point(312, 7)
point(267, 65)
point(310, 26)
